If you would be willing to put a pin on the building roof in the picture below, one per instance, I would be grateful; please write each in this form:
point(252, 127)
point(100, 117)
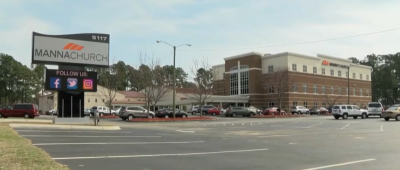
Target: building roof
point(132, 94)
point(244, 55)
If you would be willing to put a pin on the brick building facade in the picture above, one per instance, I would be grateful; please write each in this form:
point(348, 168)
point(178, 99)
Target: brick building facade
point(310, 80)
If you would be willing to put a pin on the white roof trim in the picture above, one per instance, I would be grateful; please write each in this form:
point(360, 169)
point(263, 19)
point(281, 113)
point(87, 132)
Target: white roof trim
point(360, 66)
point(289, 54)
point(333, 58)
point(244, 55)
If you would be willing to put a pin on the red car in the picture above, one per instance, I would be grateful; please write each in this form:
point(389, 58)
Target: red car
point(20, 110)
point(272, 111)
point(214, 111)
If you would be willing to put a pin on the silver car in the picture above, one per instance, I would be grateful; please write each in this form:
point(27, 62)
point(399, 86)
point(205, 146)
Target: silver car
point(131, 112)
point(235, 111)
point(300, 110)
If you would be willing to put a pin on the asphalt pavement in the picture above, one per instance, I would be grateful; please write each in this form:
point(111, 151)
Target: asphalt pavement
point(311, 143)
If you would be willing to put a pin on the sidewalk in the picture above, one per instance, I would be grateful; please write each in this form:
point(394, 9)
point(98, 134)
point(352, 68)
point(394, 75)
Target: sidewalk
point(26, 120)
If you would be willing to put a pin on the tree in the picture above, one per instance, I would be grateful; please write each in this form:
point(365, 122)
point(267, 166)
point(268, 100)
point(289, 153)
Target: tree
point(151, 78)
point(278, 83)
point(109, 80)
point(203, 80)
point(331, 96)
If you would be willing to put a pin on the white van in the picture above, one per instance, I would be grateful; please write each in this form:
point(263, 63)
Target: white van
point(375, 109)
point(345, 111)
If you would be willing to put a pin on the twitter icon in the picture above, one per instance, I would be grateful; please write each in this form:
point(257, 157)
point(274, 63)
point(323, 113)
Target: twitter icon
point(72, 83)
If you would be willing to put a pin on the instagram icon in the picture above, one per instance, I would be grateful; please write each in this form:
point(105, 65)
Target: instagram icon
point(88, 84)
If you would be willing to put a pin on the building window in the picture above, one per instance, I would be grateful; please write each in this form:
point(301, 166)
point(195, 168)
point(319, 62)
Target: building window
point(305, 104)
point(315, 88)
point(354, 75)
point(244, 82)
point(332, 72)
point(323, 89)
point(354, 91)
point(270, 69)
point(271, 90)
point(95, 100)
point(271, 104)
point(304, 68)
point(360, 76)
point(361, 92)
point(88, 100)
point(367, 91)
point(103, 100)
point(332, 90)
point(323, 71)
point(234, 84)
point(347, 74)
point(323, 105)
point(314, 70)
point(294, 103)
point(367, 77)
point(339, 73)
point(294, 67)
point(305, 88)
point(294, 87)
point(315, 104)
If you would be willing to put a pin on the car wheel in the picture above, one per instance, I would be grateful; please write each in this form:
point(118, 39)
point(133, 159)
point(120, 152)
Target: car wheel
point(308, 112)
point(397, 117)
point(166, 116)
point(355, 117)
point(204, 112)
point(234, 115)
point(299, 113)
point(130, 117)
point(345, 116)
point(101, 114)
point(213, 114)
point(386, 119)
point(184, 116)
point(193, 113)
point(363, 116)
point(26, 115)
point(151, 116)
point(337, 117)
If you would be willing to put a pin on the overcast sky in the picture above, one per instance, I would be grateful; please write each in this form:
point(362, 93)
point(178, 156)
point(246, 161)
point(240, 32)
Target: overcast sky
point(215, 28)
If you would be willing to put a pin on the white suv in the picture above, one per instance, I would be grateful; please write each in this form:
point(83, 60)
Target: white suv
point(299, 110)
point(375, 109)
point(345, 111)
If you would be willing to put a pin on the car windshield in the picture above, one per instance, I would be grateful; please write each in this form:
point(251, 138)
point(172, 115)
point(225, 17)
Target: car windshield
point(374, 105)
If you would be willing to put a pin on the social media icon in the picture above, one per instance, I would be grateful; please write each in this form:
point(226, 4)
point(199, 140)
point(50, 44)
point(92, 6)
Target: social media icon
point(72, 83)
point(88, 84)
point(55, 82)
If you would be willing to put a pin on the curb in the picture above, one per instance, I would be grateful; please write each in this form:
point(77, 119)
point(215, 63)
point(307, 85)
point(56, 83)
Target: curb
point(82, 127)
point(26, 120)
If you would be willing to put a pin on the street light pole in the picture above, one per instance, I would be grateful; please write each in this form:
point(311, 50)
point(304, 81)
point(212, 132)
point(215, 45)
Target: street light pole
point(348, 84)
point(174, 76)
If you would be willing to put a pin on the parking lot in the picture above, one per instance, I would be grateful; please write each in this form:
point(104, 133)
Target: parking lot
point(317, 142)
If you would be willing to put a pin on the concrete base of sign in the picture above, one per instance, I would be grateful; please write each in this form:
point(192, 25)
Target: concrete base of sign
point(73, 120)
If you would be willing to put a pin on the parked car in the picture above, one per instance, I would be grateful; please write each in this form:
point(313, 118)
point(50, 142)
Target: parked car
point(86, 112)
point(168, 112)
point(204, 109)
point(235, 111)
point(375, 109)
point(102, 110)
point(51, 112)
point(131, 112)
point(194, 109)
point(214, 111)
point(299, 110)
point(319, 110)
point(115, 111)
point(392, 113)
point(25, 110)
point(272, 111)
point(345, 111)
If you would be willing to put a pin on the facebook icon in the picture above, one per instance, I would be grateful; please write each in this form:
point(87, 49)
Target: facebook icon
point(55, 82)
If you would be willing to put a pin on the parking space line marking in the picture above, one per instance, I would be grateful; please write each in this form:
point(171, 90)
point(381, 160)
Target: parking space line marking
point(66, 136)
point(116, 143)
point(68, 131)
point(345, 126)
point(158, 155)
point(381, 127)
point(341, 164)
point(187, 131)
point(313, 125)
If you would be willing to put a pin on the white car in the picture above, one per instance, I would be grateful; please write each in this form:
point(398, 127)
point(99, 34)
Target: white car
point(375, 109)
point(299, 110)
point(344, 111)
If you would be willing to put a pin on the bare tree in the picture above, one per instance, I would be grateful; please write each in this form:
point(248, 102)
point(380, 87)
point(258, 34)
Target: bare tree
point(278, 83)
point(150, 77)
point(331, 96)
point(203, 78)
point(109, 80)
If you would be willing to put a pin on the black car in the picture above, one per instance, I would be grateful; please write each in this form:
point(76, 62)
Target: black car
point(168, 112)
